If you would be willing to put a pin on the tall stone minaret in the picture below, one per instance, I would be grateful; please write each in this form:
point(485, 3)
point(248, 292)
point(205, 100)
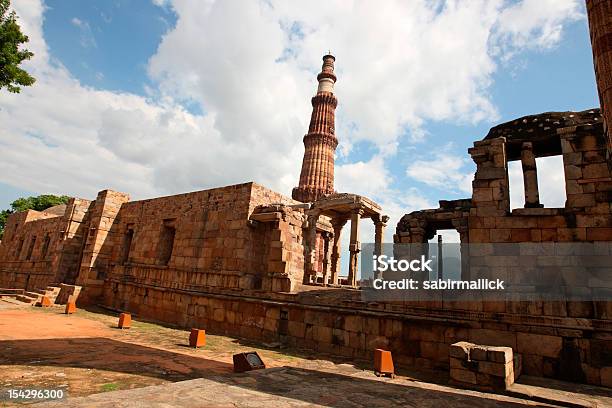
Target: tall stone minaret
point(317, 176)
point(600, 25)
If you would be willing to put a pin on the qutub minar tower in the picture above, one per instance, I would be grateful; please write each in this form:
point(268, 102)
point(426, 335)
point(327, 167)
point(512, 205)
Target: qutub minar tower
point(317, 175)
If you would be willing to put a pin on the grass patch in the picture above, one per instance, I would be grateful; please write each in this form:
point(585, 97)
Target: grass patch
point(109, 387)
point(147, 326)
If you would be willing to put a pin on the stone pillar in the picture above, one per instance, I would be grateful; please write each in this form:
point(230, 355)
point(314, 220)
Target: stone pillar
point(354, 247)
point(326, 257)
point(337, 224)
point(440, 258)
point(311, 245)
point(464, 238)
point(530, 176)
point(379, 230)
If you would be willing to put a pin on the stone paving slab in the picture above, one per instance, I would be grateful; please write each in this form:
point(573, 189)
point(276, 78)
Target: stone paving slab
point(295, 387)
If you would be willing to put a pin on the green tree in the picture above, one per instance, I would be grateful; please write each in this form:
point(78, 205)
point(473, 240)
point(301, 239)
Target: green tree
point(38, 203)
point(11, 38)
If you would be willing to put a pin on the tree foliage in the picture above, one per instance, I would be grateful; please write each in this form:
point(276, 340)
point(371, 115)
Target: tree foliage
point(38, 203)
point(11, 56)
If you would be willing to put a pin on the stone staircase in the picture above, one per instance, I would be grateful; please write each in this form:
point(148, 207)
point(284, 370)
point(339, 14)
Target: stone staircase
point(34, 296)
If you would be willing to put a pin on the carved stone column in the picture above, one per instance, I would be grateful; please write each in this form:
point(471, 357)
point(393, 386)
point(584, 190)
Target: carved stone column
point(337, 224)
point(379, 229)
point(354, 247)
point(530, 176)
point(440, 258)
point(326, 256)
point(311, 237)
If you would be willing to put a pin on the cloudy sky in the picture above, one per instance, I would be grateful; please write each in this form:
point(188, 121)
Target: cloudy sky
point(161, 97)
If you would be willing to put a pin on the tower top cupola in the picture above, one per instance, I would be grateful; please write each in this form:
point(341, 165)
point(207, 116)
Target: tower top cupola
point(327, 77)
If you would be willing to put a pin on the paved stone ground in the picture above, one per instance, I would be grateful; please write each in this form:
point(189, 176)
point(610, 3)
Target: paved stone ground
point(295, 387)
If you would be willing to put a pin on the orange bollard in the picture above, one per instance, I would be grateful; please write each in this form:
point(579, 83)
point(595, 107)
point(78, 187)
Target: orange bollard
point(70, 308)
point(45, 301)
point(383, 363)
point(197, 338)
point(125, 320)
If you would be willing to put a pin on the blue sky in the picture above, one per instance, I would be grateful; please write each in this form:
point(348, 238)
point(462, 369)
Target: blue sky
point(163, 97)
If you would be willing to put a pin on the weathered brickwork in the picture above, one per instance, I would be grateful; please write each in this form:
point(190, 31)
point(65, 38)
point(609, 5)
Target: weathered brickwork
point(40, 248)
point(334, 324)
point(486, 218)
point(600, 25)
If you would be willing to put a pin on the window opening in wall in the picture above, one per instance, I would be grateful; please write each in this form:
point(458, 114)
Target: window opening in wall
point(127, 245)
point(19, 248)
point(31, 248)
point(515, 182)
point(445, 248)
point(551, 181)
point(550, 190)
point(166, 241)
point(45, 247)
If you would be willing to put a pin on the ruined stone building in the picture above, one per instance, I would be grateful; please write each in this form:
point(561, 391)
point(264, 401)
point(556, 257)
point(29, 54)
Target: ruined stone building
point(246, 261)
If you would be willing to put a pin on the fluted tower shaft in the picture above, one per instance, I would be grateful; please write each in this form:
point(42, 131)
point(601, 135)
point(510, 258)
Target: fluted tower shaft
point(317, 175)
point(600, 26)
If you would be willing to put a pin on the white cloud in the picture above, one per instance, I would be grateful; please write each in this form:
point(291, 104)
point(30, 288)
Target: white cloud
point(251, 66)
point(444, 171)
point(534, 24)
point(87, 39)
point(372, 179)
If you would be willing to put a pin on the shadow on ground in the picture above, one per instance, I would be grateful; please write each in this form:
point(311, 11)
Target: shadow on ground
point(338, 390)
point(111, 355)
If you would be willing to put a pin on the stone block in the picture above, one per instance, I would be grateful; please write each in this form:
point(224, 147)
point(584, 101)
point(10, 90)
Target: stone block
point(605, 375)
point(595, 171)
point(479, 235)
point(599, 234)
point(490, 173)
point(461, 350)
point(539, 344)
point(571, 234)
point(500, 235)
point(296, 329)
point(457, 363)
point(520, 235)
point(496, 369)
point(322, 334)
point(493, 337)
point(581, 200)
point(482, 194)
point(463, 376)
point(478, 352)
point(573, 172)
point(499, 354)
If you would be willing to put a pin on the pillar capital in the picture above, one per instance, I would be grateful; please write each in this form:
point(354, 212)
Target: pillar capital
point(358, 211)
point(338, 222)
point(380, 220)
